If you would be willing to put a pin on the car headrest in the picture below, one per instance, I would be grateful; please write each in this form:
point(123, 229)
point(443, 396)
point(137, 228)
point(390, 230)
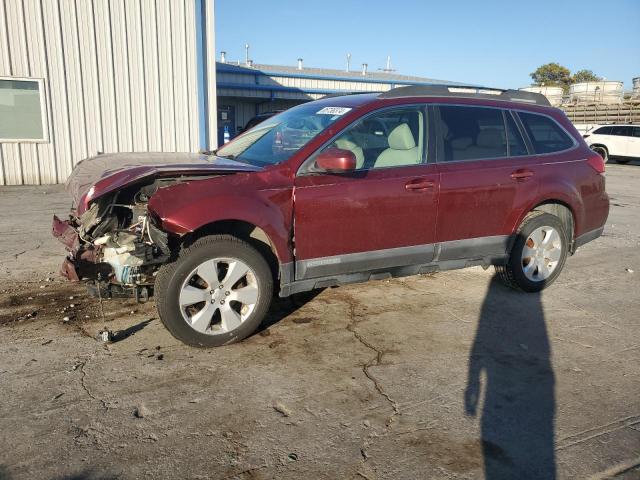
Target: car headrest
point(401, 138)
point(346, 144)
point(444, 130)
point(460, 143)
point(489, 137)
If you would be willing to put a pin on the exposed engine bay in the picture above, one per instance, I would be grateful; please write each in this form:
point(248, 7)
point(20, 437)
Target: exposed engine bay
point(116, 243)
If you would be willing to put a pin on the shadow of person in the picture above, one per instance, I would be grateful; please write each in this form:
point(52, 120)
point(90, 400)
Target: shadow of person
point(512, 350)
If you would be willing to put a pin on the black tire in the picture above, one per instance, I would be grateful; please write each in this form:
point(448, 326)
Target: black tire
point(512, 273)
point(602, 151)
point(623, 161)
point(172, 275)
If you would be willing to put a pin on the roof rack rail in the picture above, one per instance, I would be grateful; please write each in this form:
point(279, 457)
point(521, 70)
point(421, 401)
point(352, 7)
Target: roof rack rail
point(467, 91)
point(343, 94)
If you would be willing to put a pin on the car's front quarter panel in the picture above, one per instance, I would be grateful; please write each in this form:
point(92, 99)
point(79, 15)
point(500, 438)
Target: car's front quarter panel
point(263, 199)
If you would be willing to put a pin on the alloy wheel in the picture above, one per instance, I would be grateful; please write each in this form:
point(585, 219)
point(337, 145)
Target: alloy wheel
point(218, 295)
point(541, 253)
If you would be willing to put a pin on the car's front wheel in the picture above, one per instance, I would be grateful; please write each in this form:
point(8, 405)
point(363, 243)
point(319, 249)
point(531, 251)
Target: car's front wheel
point(215, 293)
point(538, 253)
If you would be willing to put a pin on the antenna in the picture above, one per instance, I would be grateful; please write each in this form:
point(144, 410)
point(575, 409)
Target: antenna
point(246, 54)
point(348, 61)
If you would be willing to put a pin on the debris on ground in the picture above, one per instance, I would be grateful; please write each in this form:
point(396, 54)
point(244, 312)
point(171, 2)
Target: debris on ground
point(140, 411)
point(282, 409)
point(629, 270)
point(105, 335)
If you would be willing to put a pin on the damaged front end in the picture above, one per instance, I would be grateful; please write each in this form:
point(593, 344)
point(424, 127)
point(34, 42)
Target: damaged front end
point(115, 244)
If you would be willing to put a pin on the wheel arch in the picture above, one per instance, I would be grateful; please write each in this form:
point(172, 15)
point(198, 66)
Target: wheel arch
point(559, 208)
point(598, 144)
point(251, 233)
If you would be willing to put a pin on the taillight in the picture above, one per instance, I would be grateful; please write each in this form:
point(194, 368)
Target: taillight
point(597, 163)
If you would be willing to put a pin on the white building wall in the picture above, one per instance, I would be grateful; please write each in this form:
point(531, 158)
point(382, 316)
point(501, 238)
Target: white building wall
point(119, 76)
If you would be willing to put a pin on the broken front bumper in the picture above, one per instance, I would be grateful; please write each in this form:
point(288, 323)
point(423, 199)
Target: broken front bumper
point(80, 261)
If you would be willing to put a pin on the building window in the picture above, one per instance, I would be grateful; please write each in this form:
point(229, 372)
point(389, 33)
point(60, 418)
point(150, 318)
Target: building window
point(22, 110)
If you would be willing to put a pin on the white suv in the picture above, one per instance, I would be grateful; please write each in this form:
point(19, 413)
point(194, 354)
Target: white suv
point(621, 142)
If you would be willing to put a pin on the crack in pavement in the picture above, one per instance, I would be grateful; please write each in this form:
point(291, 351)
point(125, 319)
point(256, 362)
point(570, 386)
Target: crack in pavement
point(80, 367)
point(16, 255)
point(374, 362)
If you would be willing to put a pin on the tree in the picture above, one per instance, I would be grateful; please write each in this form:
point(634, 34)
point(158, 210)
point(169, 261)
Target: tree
point(552, 74)
point(584, 76)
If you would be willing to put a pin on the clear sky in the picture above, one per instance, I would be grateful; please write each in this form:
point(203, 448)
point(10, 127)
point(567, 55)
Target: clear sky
point(487, 42)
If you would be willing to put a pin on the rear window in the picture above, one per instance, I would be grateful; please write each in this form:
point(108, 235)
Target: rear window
point(472, 133)
point(545, 134)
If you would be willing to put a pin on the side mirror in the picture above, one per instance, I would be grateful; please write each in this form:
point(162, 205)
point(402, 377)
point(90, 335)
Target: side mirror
point(336, 160)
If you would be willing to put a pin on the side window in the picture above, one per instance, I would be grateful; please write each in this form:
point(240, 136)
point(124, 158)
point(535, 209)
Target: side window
point(603, 131)
point(390, 138)
point(472, 133)
point(621, 131)
point(545, 134)
point(517, 147)
point(636, 132)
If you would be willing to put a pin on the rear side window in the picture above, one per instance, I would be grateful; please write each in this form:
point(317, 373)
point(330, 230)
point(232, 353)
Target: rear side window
point(545, 134)
point(472, 133)
point(603, 131)
point(621, 131)
point(636, 131)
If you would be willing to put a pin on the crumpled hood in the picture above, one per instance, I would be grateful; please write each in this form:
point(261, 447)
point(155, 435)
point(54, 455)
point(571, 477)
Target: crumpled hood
point(109, 172)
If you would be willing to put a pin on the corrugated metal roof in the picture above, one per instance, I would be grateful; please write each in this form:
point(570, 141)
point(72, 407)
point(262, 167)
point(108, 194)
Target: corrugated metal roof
point(322, 73)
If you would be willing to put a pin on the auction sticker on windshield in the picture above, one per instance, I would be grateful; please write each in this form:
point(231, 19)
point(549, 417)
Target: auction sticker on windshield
point(333, 111)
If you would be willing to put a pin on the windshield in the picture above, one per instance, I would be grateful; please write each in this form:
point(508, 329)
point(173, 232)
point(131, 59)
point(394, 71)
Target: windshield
point(276, 139)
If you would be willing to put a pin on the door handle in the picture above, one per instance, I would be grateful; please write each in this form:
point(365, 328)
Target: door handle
point(419, 185)
point(522, 175)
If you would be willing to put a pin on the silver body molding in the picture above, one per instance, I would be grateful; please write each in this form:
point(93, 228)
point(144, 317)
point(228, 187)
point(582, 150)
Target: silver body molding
point(304, 275)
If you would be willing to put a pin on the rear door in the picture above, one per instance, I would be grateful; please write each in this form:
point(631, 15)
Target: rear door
point(380, 216)
point(485, 173)
point(621, 139)
point(634, 143)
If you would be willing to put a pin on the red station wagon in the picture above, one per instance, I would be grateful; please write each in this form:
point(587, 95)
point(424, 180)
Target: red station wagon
point(340, 190)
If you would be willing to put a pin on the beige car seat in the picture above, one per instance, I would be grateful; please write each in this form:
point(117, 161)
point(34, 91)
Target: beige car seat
point(402, 149)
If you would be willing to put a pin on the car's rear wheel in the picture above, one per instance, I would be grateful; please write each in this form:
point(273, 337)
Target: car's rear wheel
point(624, 161)
point(215, 293)
point(602, 151)
point(538, 254)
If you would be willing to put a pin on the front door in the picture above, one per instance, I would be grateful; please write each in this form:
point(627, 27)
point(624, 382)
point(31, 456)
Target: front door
point(380, 216)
